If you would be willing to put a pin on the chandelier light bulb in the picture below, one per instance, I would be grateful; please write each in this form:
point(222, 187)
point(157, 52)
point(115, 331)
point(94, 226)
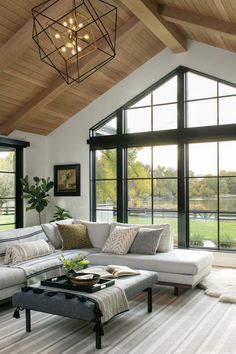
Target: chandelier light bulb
point(69, 45)
point(57, 35)
point(63, 49)
point(86, 36)
point(73, 52)
point(65, 24)
point(79, 49)
point(71, 20)
point(80, 25)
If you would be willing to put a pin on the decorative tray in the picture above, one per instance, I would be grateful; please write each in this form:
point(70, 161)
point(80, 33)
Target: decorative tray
point(63, 282)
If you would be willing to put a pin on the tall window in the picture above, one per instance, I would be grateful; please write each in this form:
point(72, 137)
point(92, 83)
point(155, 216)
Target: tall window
point(167, 157)
point(11, 169)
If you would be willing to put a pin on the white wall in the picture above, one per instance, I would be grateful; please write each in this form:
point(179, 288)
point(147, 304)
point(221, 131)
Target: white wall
point(67, 144)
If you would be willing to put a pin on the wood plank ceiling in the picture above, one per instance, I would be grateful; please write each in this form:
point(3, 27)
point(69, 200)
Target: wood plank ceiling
point(34, 98)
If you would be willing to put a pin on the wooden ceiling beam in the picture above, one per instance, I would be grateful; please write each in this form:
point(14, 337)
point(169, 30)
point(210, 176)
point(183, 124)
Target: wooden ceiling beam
point(181, 17)
point(57, 87)
point(147, 11)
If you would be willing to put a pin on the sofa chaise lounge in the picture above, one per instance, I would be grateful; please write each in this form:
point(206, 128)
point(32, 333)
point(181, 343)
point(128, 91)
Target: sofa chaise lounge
point(180, 268)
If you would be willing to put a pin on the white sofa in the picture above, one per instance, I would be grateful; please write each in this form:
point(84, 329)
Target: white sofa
point(175, 267)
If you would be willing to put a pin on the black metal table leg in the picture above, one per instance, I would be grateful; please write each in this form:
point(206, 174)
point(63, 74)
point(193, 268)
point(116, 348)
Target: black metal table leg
point(149, 296)
point(28, 320)
point(98, 341)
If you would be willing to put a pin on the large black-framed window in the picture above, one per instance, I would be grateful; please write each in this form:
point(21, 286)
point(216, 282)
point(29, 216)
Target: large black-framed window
point(11, 170)
point(185, 111)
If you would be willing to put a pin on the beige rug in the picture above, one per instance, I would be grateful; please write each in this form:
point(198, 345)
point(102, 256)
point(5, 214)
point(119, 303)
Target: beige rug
point(222, 284)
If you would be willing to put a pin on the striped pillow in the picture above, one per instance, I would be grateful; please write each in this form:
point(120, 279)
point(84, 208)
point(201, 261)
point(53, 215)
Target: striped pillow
point(12, 237)
point(27, 250)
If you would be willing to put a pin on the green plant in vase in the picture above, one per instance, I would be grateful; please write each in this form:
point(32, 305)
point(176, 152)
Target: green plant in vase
point(74, 264)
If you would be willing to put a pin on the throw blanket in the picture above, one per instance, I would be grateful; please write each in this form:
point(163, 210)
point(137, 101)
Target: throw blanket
point(44, 267)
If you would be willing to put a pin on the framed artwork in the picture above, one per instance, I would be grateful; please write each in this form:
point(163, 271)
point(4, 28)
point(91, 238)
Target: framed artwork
point(67, 180)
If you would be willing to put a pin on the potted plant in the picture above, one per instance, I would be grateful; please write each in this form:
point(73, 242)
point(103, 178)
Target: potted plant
point(36, 193)
point(60, 214)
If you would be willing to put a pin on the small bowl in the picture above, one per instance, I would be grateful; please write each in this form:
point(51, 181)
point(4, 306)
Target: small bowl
point(77, 279)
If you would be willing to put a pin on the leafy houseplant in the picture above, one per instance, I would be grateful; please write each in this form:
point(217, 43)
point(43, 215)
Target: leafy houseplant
point(37, 193)
point(74, 264)
point(60, 214)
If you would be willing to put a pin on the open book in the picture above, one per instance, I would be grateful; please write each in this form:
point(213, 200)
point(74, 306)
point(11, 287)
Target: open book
point(111, 271)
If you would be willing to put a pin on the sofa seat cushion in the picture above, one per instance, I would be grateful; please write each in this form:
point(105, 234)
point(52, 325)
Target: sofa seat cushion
point(178, 261)
point(11, 276)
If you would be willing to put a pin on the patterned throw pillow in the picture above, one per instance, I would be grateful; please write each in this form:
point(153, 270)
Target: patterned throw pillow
point(24, 251)
point(146, 241)
point(74, 236)
point(120, 240)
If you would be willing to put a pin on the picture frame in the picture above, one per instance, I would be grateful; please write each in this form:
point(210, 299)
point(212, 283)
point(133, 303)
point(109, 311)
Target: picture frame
point(67, 180)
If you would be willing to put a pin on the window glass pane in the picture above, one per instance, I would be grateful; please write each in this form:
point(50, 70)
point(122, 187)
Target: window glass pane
point(139, 162)
point(145, 101)
point(227, 187)
point(165, 117)
point(7, 160)
point(139, 216)
point(227, 165)
point(7, 186)
point(165, 194)
point(104, 215)
point(138, 120)
point(200, 87)
point(227, 110)
point(225, 90)
point(108, 128)
point(201, 113)
point(203, 230)
point(202, 194)
point(165, 161)
point(7, 215)
point(139, 194)
point(166, 93)
point(106, 164)
point(199, 166)
point(228, 230)
point(171, 218)
point(106, 195)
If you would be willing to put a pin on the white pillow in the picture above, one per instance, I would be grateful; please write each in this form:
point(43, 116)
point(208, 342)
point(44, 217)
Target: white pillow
point(27, 250)
point(98, 231)
point(52, 232)
point(120, 240)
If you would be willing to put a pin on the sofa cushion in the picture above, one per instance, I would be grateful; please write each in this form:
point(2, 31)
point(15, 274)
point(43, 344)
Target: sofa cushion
point(166, 242)
point(74, 236)
point(11, 237)
point(146, 241)
point(178, 261)
point(11, 277)
point(98, 231)
point(27, 250)
point(120, 240)
point(52, 232)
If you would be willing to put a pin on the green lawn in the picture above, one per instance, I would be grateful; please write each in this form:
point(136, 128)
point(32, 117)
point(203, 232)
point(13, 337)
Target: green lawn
point(7, 219)
point(200, 229)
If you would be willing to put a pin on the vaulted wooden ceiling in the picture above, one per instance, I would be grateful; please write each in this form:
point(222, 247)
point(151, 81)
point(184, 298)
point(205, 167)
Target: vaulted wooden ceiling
point(34, 98)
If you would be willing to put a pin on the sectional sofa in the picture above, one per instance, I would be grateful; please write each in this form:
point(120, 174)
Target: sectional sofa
point(180, 268)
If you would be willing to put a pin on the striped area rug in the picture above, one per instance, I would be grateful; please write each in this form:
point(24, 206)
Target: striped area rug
point(190, 323)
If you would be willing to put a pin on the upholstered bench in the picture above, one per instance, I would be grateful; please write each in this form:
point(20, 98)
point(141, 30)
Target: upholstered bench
point(77, 305)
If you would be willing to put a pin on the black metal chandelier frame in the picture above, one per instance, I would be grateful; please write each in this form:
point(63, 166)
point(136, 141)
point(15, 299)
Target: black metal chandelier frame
point(108, 48)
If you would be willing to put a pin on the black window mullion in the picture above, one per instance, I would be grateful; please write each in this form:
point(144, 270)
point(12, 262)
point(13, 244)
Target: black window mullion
point(93, 185)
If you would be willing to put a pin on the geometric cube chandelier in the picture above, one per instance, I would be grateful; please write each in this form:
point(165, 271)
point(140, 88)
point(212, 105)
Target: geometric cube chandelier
point(75, 37)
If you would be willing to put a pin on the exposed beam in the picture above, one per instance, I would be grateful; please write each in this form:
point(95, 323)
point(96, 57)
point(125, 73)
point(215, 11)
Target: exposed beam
point(57, 87)
point(147, 12)
point(214, 25)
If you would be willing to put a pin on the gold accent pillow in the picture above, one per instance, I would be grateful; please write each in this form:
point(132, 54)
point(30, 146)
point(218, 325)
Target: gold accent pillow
point(74, 236)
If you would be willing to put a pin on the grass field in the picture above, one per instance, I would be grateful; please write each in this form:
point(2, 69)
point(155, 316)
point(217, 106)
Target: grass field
point(200, 230)
point(7, 219)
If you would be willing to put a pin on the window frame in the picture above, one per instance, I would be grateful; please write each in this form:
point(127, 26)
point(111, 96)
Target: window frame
point(182, 136)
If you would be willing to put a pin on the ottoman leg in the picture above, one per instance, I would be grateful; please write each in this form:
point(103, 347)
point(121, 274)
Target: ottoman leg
point(28, 320)
point(149, 296)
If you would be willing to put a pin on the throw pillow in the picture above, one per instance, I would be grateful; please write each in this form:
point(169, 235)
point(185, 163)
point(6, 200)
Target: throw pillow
point(98, 231)
point(120, 240)
point(74, 236)
point(27, 250)
point(52, 232)
point(146, 241)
